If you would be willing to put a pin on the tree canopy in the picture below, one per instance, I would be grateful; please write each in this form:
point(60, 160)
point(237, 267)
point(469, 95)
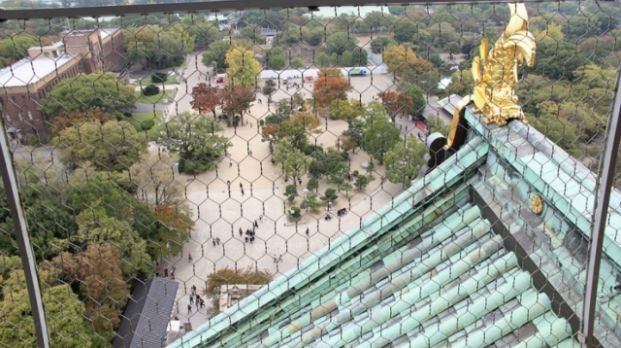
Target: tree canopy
point(103, 91)
point(379, 134)
point(194, 138)
point(112, 146)
point(404, 160)
point(243, 68)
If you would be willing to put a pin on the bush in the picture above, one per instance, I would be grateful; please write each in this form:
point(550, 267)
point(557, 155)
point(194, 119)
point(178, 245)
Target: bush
point(159, 77)
point(146, 125)
point(151, 90)
point(295, 213)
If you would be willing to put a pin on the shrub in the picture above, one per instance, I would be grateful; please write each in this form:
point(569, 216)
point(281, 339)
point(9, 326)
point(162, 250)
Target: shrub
point(146, 125)
point(295, 213)
point(159, 77)
point(151, 90)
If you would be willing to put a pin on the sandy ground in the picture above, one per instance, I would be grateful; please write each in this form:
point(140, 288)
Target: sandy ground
point(280, 244)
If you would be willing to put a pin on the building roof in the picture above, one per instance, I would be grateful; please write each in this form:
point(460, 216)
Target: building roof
point(28, 70)
point(449, 103)
point(458, 260)
point(146, 317)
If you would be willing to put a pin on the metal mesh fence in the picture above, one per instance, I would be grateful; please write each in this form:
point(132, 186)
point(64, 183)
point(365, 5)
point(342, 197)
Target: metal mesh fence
point(295, 177)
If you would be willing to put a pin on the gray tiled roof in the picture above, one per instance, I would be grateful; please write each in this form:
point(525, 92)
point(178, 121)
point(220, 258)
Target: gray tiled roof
point(144, 322)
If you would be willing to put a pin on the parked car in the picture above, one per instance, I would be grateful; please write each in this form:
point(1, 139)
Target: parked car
point(358, 72)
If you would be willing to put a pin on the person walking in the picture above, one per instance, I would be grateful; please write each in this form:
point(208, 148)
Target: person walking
point(189, 309)
point(307, 231)
point(240, 232)
point(189, 257)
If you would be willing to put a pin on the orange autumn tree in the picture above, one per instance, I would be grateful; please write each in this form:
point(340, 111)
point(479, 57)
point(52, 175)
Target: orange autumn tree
point(175, 227)
point(330, 85)
point(69, 119)
point(396, 103)
point(205, 98)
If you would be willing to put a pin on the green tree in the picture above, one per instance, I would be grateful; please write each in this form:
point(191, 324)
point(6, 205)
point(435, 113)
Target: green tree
point(404, 29)
point(378, 44)
point(268, 89)
point(379, 134)
point(329, 195)
point(313, 36)
point(96, 227)
point(311, 202)
point(361, 182)
point(243, 68)
point(340, 42)
point(216, 55)
point(435, 124)
point(63, 309)
point(295, 165)
point(102, 91)
point(404, 160)
point(558, 129)
point(461, 84)
point(156, 47)
point(276, 59)
point(193, 138)
point(291, 192)
point(16, 47)
point(113, 146)
point(417, 95)
point(345, 109)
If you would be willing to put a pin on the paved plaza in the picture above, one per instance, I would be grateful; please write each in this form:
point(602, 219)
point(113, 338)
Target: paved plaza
point(280, 244)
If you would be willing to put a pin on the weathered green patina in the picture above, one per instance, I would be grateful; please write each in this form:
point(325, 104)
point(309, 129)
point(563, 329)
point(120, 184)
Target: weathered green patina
point(458, 259)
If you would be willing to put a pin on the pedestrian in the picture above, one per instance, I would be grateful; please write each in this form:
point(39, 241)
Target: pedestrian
point(256, 224)
point(194, 288)
point(213, 242)
point(189, 308)
point(191, 299)
point(307, 231)
point(242, 192)
point(202, 303)
point(172, 275)
point(230, 165)
point(240, 232)
point(189, 257)
point(246, 239)
point(166, 272)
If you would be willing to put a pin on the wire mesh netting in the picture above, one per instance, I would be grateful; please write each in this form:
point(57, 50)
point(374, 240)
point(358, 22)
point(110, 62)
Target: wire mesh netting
point(286, 177)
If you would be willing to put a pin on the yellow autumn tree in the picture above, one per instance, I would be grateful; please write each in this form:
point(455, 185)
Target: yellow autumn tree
point(243, 68)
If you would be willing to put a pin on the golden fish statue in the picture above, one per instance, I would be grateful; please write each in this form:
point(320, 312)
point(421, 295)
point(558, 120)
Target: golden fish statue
point(495, 72)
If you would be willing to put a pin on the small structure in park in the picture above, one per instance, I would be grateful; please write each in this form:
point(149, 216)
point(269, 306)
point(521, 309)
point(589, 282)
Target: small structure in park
point(231, 294)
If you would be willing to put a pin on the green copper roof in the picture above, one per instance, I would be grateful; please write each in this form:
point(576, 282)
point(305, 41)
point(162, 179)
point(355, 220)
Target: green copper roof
point(430, 268)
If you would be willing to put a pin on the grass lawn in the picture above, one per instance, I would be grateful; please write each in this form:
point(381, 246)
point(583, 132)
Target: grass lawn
point(141, 122)
point(170, 80)
point(161, 98)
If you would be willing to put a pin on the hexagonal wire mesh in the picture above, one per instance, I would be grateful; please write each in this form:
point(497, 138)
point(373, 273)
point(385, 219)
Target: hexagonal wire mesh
point(171, 164)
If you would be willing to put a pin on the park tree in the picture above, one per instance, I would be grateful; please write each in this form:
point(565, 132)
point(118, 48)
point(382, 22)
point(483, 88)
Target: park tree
point(216, 55)
point(313, 36)
point(96, 227)
point(461, 84)
point(291, 192)
point(295, 165)
point(205, 98)
point(63, 310)
point(361, 182)
point(558, 129)
point(203, 32)
point(268, 89)
point(340, 42)
point(243, 68)
point(380, 43)
point(16, 47)
point(175, 226)
point(404, 160)
point(76, 118)
point(311, 202)
point(103, 91)
point(347, 110)
point(236, 101)
point(98, 273)
point(155, 179)
point(396, 103)
point(330, 85)
point(404, 29)
point(417, 95)
point(379, 135)
point(112, 146)
point(156, 47)
point(194, 139)
point(329, 196)
point(275, 58)
point(306, 119)
point(402, 61)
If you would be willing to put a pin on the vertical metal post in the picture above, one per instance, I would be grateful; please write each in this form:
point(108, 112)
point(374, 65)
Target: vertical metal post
point(602, 197)
point(23, 241)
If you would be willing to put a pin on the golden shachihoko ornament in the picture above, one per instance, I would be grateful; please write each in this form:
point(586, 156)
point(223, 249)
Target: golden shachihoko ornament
point(495, 72)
